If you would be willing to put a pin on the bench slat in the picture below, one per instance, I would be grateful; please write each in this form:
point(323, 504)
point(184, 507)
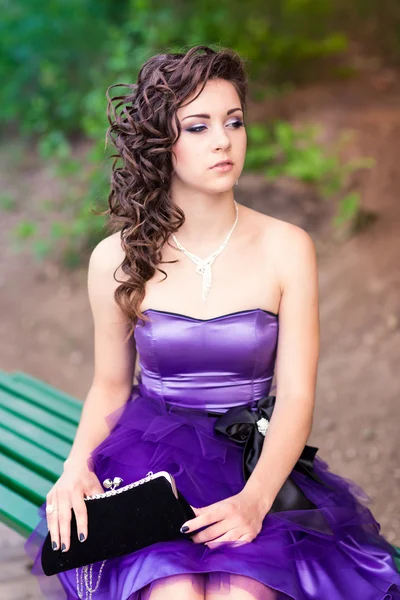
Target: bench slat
point(22, 480)
point(17, 513)
point(45, 388)
point(397, 557)
point(30, 455)
point(33, 433)
point(52, 403)
point(55, 425)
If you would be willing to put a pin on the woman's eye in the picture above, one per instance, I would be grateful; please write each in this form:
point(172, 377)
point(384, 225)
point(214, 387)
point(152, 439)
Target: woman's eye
point(196, 129)
point(199, 128)
point(238, 124)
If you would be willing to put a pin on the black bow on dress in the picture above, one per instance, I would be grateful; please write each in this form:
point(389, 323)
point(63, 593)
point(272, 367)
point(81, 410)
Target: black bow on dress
point(248, 427)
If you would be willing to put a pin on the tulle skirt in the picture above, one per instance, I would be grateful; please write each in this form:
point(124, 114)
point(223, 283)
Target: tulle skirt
point(333, 552)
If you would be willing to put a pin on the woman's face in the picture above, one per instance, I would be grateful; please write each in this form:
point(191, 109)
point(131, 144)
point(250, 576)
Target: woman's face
point(210, 137)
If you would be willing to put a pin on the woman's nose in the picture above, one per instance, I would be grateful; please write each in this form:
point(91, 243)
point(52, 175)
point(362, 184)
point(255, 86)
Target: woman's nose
point(222, 141)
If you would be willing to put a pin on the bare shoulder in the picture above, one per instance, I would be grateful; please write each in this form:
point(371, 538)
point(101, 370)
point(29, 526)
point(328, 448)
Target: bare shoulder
point(107, 256)
point(283, 236)
point(287, 245)
point(286, 237)
point(104, 274)
point(294, 253)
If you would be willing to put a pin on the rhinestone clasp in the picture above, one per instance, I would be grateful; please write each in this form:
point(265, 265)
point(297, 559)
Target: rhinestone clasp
point(262, 425)
point(112, 483)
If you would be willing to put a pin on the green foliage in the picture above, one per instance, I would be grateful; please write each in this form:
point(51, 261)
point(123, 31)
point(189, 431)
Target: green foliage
point(54, 145)
point(25, 229)
point(280, 149)
point(62, 55)
point(48, 52)
point(374, 26)
point(58, 57)
point(7, 202)
point(349, 205)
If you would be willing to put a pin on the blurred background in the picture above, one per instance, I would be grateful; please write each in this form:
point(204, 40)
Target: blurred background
point(323, 147)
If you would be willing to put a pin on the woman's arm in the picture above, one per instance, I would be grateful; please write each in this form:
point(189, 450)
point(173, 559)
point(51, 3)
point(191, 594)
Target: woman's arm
point(114, 359)
point(296, 366)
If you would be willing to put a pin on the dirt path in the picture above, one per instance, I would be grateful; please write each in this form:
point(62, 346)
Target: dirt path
point(46, 325)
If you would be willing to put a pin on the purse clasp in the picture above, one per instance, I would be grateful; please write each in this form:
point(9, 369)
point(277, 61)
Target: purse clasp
point(112, 483)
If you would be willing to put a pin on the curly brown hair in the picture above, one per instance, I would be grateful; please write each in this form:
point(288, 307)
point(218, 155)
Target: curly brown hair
point(144, 127)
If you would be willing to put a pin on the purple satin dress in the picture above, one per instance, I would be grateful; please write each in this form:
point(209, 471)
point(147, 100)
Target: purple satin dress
point(189, 366)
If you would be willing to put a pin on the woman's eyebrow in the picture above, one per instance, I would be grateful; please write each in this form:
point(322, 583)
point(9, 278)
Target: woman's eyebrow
point(205, 116)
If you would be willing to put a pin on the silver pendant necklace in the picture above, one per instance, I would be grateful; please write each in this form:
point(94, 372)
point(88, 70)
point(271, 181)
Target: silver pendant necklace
point(204, 265)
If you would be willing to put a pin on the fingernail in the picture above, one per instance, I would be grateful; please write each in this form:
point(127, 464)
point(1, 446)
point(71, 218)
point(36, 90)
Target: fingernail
point(63, 548)
point(184, 529)
point(81, 537)
point(54, 545)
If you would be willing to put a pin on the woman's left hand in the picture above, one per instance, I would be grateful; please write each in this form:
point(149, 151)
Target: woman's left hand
point(236, 520)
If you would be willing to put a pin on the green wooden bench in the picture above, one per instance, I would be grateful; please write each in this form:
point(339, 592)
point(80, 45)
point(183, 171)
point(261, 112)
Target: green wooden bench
point(37, 427)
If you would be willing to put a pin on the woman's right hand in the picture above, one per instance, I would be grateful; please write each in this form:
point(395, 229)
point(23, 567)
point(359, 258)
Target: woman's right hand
point(67, 494)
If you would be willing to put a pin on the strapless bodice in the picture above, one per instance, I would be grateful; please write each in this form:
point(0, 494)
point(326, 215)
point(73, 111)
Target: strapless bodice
point(213, 364)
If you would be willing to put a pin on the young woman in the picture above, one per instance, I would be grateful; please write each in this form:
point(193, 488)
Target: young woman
point(237, 302)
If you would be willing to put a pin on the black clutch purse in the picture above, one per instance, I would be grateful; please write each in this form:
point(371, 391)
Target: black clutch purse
point(121, 521)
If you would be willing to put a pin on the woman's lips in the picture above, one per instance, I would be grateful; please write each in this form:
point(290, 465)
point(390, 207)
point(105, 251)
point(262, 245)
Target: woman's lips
point(224, 167)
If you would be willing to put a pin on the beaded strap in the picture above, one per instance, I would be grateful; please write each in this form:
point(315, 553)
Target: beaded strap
point(85, 578)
